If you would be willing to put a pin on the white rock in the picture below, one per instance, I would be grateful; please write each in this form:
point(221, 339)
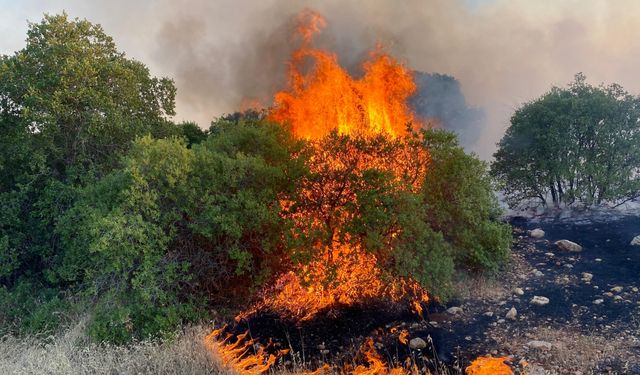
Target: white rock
point(598, 301)
point(489, 314)
point(454, 310)
point(635, 241)
point(417, 343)
point(536, 233)
point(586, 276)
point(538, 344)
point(512, 314)
point(539, 301)
point(518, 291)
point(537, 273)
point(617, 289)
point(568, 246)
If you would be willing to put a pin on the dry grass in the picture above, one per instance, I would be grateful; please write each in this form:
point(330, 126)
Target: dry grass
point(72, 353)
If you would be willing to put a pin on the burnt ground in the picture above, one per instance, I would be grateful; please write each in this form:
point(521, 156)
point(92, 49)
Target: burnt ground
point(569, 335)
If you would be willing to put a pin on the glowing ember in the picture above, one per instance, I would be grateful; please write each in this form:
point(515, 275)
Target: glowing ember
point(489, 366)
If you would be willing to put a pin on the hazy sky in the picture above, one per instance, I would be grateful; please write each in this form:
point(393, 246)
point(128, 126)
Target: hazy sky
point(504, 52)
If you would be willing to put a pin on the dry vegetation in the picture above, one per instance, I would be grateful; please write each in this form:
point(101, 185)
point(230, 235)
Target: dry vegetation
point(72, 353)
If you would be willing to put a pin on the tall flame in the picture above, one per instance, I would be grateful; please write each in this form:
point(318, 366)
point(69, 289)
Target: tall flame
point(327, 98)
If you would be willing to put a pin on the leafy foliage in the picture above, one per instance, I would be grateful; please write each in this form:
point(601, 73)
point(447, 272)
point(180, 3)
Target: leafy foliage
point(460, 204)
point(578, 144)
point(108, 207)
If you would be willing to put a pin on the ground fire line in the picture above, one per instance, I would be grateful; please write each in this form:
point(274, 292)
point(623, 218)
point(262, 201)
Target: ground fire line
point(371, 121)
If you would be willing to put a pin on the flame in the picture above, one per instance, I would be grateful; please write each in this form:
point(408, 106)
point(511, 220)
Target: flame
point(324, 105)
point(243, 356)
point(489, 366)
point(327, 98)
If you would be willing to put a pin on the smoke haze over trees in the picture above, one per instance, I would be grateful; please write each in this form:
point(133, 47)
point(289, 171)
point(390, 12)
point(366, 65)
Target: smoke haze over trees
point(439, 97)
point(503, 52)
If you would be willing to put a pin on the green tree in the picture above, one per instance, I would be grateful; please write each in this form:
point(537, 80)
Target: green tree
point(460, 203)
point(578, 144)
point(70, 105)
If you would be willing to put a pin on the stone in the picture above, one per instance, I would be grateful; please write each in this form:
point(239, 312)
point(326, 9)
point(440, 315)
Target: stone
point(455, 310)
point(511, 315)
point(568, 266)
point(598, 260)
point(537, 273)
point(536, 233)
point(518, 291)
point(598, 301)
point(586, 277)
point(539, 344)
point(635, 241)
point(539, 300)
point(617, 298)
point(417, 344)
point(489, 314)
point(551, 255)
point(617, 289)
point(567, 245)
point(500, 321)
point(634, 289)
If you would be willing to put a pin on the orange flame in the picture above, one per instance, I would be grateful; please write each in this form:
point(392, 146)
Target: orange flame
point(327, 98)
point(489, 366)
point(241, 356)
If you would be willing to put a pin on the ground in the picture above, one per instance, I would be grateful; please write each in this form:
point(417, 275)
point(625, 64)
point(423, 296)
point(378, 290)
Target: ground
point(574, 333)
point(588, 326)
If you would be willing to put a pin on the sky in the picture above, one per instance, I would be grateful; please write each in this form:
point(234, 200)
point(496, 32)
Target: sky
point(504, 52)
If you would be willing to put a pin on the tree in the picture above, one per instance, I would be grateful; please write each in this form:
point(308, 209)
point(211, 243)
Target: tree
point(574, 145)
point(70, 105)
point(460, 203)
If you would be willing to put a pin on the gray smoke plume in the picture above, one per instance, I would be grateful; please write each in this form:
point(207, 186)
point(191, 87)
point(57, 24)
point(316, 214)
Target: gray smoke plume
point(503, 52)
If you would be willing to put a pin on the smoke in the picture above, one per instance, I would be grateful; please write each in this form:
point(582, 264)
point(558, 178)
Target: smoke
point(503, 52)
point(440, 97)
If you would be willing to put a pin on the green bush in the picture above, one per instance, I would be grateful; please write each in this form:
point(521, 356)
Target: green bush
point(460, 203)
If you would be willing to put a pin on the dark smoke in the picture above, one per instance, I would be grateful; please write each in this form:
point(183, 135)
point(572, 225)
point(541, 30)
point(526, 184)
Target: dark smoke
point(440, 97)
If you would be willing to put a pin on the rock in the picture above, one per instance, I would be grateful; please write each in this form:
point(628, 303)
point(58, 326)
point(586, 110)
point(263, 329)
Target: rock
point(518, 291)
point(568, 266)
point(567, 245)
point(551, 255)
point(489, 314)
point(500, 321)
point(607, 294)
point(617, 298)
point(635, 241)
point(634, 289)
point(586, 277)
point(539, 344)
point(537, 273)
point(598, 260)
point(539, 301)
point(537, 233)
point(598, 301)
point(417, 344)
point(617, 289)
point(455, 310)
point(511, 315)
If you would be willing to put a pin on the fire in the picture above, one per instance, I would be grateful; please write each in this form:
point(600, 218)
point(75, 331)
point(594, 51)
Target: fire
point(352, 127)
point(241, 355)
point(327, 98)
point(489, 366)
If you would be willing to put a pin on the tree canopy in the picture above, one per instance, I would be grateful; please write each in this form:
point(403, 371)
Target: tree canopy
point(578, 145)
